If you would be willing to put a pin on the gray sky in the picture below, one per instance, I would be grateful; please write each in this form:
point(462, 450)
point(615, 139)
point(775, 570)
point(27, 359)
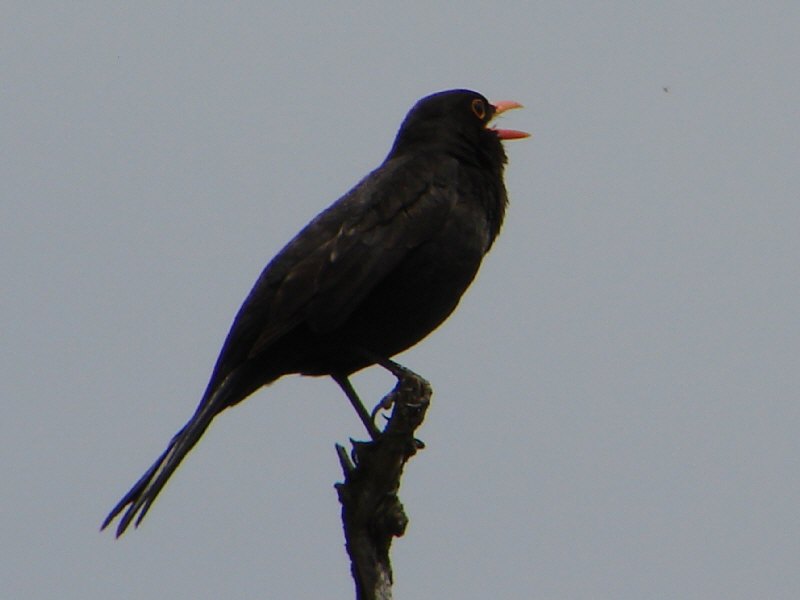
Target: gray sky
point(616, 407)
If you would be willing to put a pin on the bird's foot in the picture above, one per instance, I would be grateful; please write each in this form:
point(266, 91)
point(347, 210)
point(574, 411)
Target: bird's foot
point(409, 385)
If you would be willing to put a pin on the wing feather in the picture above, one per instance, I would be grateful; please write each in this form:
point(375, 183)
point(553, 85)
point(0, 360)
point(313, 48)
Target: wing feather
point(324, 273)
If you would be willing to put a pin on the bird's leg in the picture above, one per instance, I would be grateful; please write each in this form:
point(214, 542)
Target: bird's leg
point(407, 381)
point(363, 414)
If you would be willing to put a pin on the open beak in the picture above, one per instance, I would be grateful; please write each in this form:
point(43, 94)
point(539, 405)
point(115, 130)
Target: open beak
point(508, 134)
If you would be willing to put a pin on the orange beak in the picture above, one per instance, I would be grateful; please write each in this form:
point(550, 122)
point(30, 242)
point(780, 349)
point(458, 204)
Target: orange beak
point(508, 134)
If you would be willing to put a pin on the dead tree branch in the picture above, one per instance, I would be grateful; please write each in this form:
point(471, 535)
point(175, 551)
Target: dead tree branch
point(371, 512)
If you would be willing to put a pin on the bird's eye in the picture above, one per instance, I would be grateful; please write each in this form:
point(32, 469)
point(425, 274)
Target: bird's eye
point(479, 108)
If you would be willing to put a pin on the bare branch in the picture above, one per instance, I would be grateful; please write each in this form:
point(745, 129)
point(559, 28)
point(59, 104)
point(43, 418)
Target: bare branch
point(371, 512)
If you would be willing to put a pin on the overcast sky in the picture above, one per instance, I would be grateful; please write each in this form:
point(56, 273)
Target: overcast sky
point(616, 409)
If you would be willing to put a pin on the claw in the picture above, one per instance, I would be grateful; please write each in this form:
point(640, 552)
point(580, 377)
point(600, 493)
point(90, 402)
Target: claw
point(385, 404)
point(406, 380)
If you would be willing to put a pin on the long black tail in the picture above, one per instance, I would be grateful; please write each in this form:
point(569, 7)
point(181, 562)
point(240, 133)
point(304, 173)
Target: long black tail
point(141, 496)
point(235, 388)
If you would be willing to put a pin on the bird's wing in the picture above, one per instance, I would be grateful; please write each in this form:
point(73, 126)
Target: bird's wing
point(324, 273)
point(404, 207)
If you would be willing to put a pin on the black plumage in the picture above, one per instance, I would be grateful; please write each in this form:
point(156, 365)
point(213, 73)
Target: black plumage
point(370, 276)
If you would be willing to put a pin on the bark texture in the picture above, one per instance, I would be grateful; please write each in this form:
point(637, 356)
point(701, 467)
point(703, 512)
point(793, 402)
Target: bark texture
point(372, 514)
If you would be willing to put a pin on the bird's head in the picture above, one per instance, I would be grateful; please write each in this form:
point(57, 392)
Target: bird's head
point(456, 122)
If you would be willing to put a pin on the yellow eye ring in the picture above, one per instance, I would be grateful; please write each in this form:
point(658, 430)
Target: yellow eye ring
point(479, 108)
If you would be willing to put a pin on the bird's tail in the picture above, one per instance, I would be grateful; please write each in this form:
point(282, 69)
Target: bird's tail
point(141, 496)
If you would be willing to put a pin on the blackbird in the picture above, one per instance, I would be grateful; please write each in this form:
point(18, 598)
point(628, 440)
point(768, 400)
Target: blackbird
point(370, 276)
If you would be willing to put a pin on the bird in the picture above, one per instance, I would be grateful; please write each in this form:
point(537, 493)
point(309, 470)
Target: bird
point(369, 277)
